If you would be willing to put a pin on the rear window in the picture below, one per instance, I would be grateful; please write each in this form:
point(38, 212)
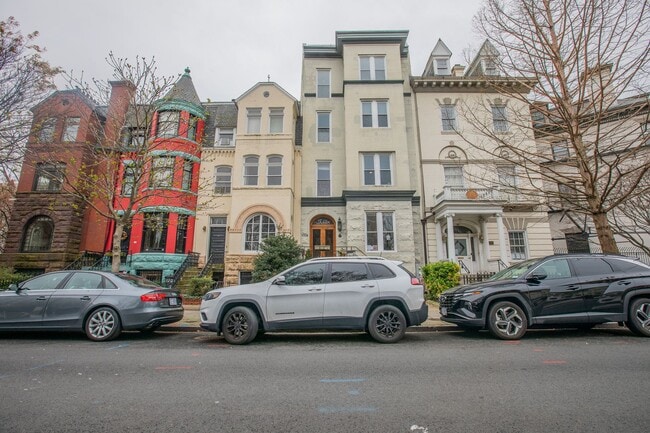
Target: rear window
point(627, 266)
point(380, 272)
point(342, 272)
point(591, 266)
point(137, 281)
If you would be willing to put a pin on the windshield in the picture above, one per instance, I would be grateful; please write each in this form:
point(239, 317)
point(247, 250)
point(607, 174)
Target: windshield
point(514, 271)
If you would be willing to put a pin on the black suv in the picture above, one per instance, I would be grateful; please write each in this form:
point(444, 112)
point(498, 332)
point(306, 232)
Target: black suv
point(578, 290)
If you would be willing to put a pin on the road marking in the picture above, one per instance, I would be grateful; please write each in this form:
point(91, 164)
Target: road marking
point(45, 365)
point(553, 362)
point(351, 409)
point(341, 380)
point(179, 367)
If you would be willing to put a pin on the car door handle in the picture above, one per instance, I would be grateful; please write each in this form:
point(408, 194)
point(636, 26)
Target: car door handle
point(41, 298)
point(315, 290)
point(624, 283)
point(573, 287)
point(85, 298)
point(367, 286)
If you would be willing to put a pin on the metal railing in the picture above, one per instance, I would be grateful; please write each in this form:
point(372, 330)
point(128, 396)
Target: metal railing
point(212, 259)
point(86, 260)
point(463, 266)
point(192, 259)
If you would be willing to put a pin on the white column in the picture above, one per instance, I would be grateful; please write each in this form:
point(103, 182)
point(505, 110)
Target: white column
point(502, 239)
point(451, 248)
point(440, 246)
point(485, 245)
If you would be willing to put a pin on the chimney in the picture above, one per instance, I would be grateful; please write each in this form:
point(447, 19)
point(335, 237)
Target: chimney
point(457, 70)
point(118, 106)
point(599, 85)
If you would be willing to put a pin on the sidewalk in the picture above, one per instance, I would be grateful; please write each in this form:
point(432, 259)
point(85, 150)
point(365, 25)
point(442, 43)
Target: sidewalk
point(191, 321)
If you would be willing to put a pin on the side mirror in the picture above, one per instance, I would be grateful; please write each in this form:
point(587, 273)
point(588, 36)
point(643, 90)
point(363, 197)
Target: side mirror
point(14, 287)
point(537, 275)
point(280, 281)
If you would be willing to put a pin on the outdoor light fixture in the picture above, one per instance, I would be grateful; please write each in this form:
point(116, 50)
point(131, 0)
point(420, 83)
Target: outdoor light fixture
point(339, 225)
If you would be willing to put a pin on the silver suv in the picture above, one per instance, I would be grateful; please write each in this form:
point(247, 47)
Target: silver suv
point(369, 294)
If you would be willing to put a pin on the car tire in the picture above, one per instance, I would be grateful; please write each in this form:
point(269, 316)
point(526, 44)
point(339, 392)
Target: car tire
point(239, 325)
point(103, 324)
point(387, 324)
point(507, 321)
point(639, 317)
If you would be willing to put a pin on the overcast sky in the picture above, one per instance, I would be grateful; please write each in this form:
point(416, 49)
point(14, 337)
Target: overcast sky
point(230, 45)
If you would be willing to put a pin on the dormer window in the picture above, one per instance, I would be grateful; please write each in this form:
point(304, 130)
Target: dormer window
point(490, 66)
point(225, 137)
point(442, 67)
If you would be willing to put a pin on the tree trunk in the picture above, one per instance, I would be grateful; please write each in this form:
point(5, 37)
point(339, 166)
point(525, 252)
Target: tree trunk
point(605, 233)
point(117, 246)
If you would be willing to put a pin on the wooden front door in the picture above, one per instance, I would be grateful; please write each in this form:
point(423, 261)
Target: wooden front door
point(322, 237)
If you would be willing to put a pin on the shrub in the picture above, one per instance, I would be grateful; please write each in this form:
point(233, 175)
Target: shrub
point(439, 277)
point(277, 254)
point(8, 277)
point(199, 286)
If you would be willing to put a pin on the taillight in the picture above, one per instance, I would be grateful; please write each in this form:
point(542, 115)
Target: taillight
point(415, 281)
point(153, 297)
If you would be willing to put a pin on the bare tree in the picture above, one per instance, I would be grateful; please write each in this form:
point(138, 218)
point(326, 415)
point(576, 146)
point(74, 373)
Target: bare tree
point(114, 180)
point(572, 64)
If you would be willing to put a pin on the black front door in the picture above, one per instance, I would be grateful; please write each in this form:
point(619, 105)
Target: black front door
point(217, 247)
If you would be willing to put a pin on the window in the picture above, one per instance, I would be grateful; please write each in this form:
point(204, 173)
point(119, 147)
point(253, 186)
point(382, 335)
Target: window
point(133, 137)
point(380, 272)
point(274, 170)
point(226, 137)
point(181, 234)
point(499, 118)
point(70, 129)
point(585, 267)
point(323, 179)
point(188, 167)
point(258, 228)
point(191, 128)
point(380, 235)
point(343, 272)
point(372, 67)
point(38, 236)
point(49, 177)
point(222, 179)
point(84, 280)
point(448, 115)
point(245, 277)
point(454, 176)
point(377, 169)
point(304, 275)
point(645, 129)
point(162, 172)
point(517, 245)
point(560, 150)
point(276, 120)
point(374, 114)
point(167, 123)
point(507, 176)
point(554, 269)
point(44, 282)
point(154, 233)
point(567, 192)
point(46, 131)
point(251, 167)
point(128, 179)
point(490, 67)
point(323, 83)
point(324, 118)
point(254, 120)
point(442, 67)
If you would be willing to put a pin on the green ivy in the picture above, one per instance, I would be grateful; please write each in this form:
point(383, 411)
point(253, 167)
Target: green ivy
point(439, 277)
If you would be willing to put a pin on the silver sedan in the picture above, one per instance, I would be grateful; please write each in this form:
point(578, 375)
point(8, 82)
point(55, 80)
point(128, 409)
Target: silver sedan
point(101, 304)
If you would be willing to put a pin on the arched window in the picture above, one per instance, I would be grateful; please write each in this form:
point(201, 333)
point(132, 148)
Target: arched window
point(38, 234)
point(258, 228)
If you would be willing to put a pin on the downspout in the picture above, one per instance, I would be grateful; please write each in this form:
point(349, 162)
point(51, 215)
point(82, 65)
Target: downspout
point(423, 217)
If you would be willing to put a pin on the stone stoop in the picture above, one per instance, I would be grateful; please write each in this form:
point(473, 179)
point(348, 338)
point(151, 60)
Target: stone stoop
point(184, 283)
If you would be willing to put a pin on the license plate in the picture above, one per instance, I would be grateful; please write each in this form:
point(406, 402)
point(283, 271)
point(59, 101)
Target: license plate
point(443, 311)
point(173, 301)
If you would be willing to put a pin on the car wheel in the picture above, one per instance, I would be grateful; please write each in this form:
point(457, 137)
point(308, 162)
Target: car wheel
point(240, 325)
point(103, 324)
point(507, 321)
point(387, 324)
point(639, 317)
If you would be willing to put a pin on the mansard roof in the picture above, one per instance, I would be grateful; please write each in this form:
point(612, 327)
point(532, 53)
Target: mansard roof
point(358, 37)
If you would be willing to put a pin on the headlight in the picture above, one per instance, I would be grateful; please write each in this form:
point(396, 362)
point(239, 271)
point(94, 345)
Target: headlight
point(472, 293)
point(211, 295)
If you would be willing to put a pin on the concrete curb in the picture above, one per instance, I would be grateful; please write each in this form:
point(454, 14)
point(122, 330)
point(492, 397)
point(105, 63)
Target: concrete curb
point(189, 328)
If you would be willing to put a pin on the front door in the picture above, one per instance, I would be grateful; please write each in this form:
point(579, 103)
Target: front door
point(322, 240)
point(464, 246)
point(217, 247)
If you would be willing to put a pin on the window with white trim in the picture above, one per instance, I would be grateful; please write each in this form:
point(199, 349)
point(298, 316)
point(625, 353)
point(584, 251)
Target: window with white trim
point(377, 169)
point(46, 130)
point(442, 67)
point(448, 117)
point(372, 67)
point(258, 228)
point(276, 120)
point(274, 170)
point(518, 249)
point(70, 129)
point(499, 118)
point(251, 170)
point(168, 122)
point(560, 150)
point(222, 179)
point(374, 114)
point(323, 178)
point(454, 176)
point(162, 172)
point(225, 137)
point(324, 126)
point(380, 231)
point(253, 120)
point(323, 78)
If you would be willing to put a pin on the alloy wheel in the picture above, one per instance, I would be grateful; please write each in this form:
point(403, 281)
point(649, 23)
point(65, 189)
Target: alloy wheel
point(508, 321)
point(101, 324)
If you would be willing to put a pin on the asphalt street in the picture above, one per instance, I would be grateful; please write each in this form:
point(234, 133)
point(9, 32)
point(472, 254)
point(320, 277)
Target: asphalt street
point(562, 381)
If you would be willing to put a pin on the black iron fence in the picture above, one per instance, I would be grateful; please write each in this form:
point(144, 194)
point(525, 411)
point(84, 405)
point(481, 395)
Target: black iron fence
point(475, 278)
